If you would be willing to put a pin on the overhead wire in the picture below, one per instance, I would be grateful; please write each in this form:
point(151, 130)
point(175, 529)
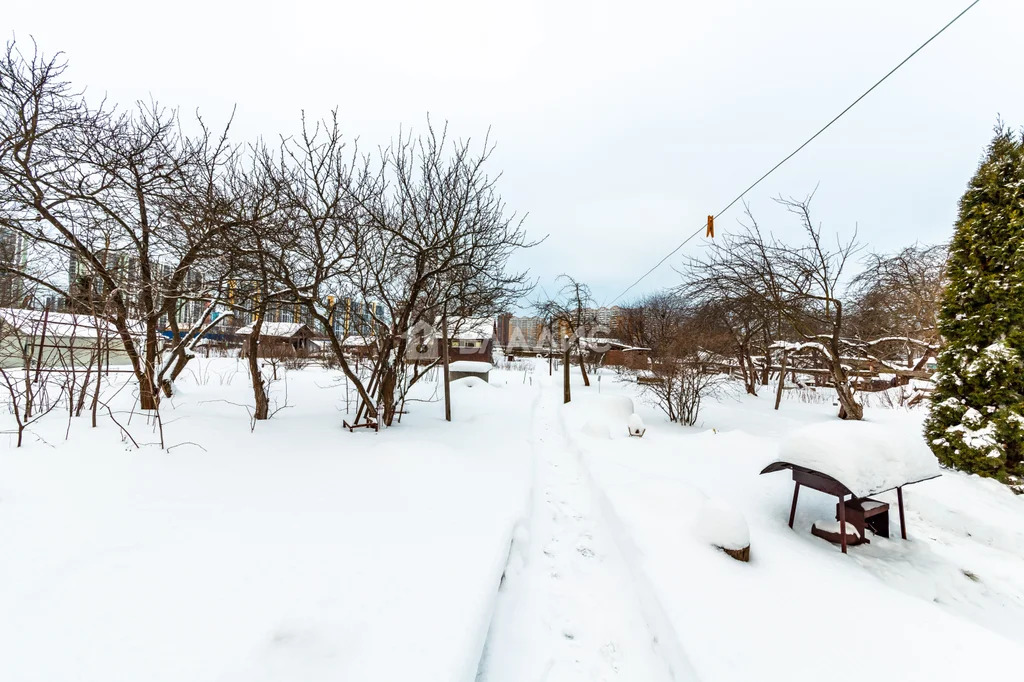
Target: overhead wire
point(797, 150)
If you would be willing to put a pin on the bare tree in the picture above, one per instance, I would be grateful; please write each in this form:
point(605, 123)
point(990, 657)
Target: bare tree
point(682, 372)
point(25, 387)
point(803, 284)
point(896, 302)
point(124, 195)
point(419, 229)
point(152, 221)
point(571, 313)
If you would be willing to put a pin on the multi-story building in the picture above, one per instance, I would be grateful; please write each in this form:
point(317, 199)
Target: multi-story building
point(503, 328)
point(13, 260)
point(527, 334)
point(609, 320)
point(349, 317)
point(357, 318)
point(86, 292)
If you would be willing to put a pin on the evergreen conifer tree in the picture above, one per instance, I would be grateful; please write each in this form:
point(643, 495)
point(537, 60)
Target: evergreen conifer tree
point(977, 418)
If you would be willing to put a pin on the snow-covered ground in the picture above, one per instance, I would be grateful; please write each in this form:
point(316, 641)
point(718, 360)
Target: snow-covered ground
point(525, 541)
point(920, 609)
point(297, 552)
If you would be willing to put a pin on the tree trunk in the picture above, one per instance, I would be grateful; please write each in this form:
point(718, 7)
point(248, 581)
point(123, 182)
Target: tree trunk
point(28, 395)
point(583, 368)
point(149, 396)
point(259, 390)
point(80, 405)
point(566, 391)
point(743, 369)
point(748, 371)
point(99, 378)
point(42, 344)
point(179, 365)
point(388, 381)
point(738, 554)
point(849, 408)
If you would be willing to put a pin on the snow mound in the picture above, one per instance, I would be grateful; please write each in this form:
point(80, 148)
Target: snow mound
point(597, 429)
point(722, 526)
point(470, 366)
point(613, 409)
point(832, 526)
point(636, 425)
point(866, 457)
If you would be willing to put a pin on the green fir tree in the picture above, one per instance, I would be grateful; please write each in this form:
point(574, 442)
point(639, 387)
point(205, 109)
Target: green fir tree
point(977, 417)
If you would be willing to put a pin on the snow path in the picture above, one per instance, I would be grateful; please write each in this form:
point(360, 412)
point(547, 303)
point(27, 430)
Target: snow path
point(567, 609)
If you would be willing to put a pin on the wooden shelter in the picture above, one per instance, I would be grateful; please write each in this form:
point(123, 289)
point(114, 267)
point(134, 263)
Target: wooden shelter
point(615, 353)
point(855, 460)
point(470, 339)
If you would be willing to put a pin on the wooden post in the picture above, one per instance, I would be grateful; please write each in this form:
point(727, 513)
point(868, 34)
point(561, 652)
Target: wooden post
point(903, 522)
point(792, 511)
point(444, 361)
point(842, 522)
point(42, 342)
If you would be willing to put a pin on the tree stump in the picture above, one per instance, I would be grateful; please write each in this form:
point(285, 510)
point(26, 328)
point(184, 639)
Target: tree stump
point(738, 554)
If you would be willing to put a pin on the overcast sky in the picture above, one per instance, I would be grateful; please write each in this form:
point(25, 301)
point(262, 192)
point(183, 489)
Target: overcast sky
point(619, 126)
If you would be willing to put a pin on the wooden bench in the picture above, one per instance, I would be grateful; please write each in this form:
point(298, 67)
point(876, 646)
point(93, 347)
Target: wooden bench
point(866, 513)
point(370, 423)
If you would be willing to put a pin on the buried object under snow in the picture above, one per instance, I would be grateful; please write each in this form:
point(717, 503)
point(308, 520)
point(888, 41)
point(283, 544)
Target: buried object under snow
point(724, 527)
point(636, 426)
point(830, 530)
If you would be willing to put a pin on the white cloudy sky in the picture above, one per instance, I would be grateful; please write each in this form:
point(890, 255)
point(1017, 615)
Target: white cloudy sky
point(620, 125)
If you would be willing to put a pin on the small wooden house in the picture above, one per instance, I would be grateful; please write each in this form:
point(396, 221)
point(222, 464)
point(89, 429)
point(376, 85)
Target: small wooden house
point(470, 339)
point(295, 335)
point(364, 347)
point(614, 353)
point(51, 339)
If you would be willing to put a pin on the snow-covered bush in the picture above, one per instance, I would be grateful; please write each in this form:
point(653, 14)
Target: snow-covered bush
point(679, 386)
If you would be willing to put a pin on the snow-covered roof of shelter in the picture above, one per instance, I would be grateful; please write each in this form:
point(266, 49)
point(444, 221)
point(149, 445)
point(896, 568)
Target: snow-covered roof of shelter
point(64, 325)
point(279, 329)
point(359, 341)
point(468, 328)
point(866, 457)
point(470, 366)
point(600, 343)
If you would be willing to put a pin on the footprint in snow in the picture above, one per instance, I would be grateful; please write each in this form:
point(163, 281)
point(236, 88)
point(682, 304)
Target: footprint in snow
point(610, 653)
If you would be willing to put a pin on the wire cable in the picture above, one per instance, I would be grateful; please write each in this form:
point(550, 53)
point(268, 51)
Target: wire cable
point(797, 150)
